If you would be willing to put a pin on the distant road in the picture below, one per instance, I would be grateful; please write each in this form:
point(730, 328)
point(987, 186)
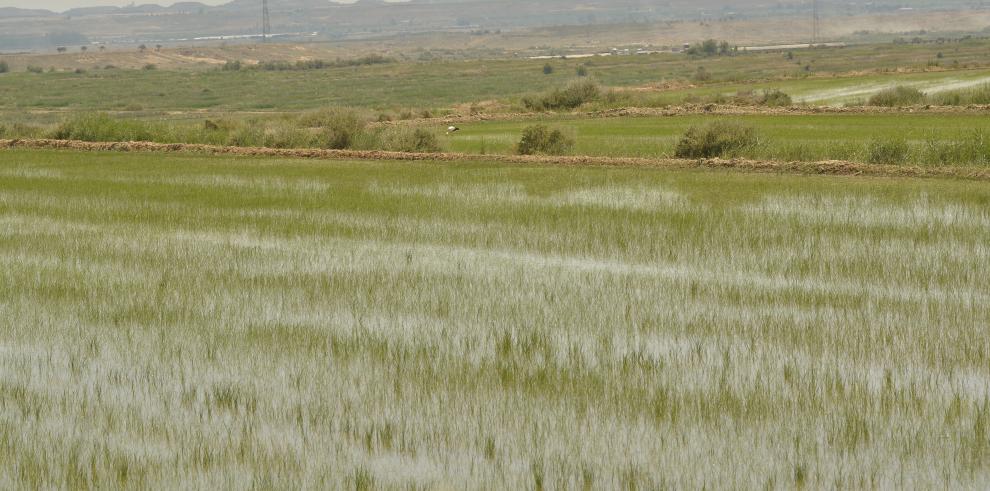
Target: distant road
point(780, 47)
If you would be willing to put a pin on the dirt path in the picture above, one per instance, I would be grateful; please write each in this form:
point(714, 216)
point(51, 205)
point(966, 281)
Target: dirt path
point(839, 168)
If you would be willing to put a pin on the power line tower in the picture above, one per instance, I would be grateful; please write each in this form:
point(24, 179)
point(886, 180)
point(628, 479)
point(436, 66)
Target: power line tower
point(266, 23)
point(816, 23)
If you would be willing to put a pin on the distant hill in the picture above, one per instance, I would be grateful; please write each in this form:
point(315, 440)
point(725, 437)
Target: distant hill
point(16, 13)
point(186, 21)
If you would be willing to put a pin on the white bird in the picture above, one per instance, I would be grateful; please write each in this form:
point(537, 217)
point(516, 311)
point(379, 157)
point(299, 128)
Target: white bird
point(453, 129)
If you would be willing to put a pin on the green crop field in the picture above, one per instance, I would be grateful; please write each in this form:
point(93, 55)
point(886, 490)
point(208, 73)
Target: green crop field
point(441, 84)
point(781, 137)
point(207, 322)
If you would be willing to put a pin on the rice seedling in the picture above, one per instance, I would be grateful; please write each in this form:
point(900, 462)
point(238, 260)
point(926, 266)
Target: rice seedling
point(185, 321)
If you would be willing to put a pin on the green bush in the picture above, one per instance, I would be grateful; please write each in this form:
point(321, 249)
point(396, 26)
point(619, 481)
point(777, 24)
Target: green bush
point(150, 66)
point(716, 139)
point(570, 97)
point(35, 69)
point(21, 130)
point(321, 64)
point(246, 136)
point(978, 95)
point(406, 139)
point(339, 128)
point(973, 149)
point(582, 71)
point(547, 69)
point(897, 97)
point(283, 134)
point(710, 47)
point(888, 151)
point(231, 66)
point(4, 67)
point(98, 127)
point(540, 139)
point(775, 98)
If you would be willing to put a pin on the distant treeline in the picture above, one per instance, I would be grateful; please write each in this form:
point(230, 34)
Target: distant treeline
point(275, 66)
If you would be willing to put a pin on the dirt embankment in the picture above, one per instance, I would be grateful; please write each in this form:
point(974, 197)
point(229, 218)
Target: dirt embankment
point(838, 168)
point(687, 110)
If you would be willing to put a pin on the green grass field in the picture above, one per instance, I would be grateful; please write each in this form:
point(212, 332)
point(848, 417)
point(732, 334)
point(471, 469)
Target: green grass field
point(782, 137)
point(441, 84)
point(204, 322)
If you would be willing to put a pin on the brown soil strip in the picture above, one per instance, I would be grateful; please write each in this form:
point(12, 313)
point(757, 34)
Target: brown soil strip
point(833, 167)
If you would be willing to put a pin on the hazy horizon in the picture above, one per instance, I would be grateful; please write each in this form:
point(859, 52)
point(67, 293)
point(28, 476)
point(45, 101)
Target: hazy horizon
point(63, 5)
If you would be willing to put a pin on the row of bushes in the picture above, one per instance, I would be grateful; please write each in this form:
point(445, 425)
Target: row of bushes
point(572, 96)
point(234, 65)
point(589, 93)
point(329, 129)
point(731, 139)
point(346, 129)
point(972, 150)
point(902, 96)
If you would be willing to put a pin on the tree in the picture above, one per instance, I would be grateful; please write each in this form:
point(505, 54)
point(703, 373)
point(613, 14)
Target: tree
point(103, 48)
point(709, 47)
point(142, 48)
point(61, 49)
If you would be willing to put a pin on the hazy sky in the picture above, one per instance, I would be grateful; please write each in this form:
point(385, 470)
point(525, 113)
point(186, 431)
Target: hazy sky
point(63, 5)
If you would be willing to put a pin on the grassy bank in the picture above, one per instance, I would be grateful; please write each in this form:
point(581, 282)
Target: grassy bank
point(226, 322)
point(881, 138)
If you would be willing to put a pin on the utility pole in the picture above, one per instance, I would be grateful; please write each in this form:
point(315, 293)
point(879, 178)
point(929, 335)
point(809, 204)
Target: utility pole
point(816, 28)
point(266, 24)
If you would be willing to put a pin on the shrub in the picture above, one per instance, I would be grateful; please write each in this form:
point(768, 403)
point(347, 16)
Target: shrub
point(897, 96)
point(405, 139)
point(101, 127)
point(35, 69)
point(702, 75)
point(4, 67)
point(775, 98)
point(283, 134)
point(246, 135)
point(570, 97)
point(321, 64)
point(540, 139)
point(977, 95)
point(21, 130)
point(582, 71)
point(716, 139)
point(231, 66)
point(887, 151)
point(339, 128)
point(547, 69)
point(973, 149)
point(150, 66)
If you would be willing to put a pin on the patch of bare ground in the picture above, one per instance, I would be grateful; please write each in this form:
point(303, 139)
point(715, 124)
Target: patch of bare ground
point(831, 167)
